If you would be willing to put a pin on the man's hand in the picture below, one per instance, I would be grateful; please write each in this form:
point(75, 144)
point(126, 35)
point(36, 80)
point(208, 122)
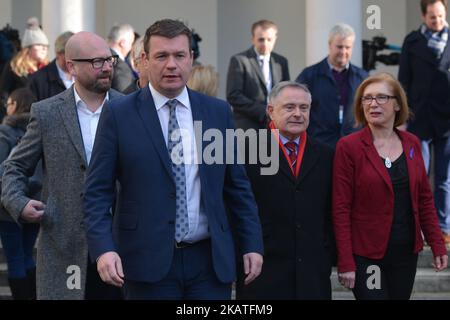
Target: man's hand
point(33, 211)
point(109, 266)
point(252, 266)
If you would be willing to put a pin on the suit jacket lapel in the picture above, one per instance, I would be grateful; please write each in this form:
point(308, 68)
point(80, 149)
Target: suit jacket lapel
point(198, 114)
point(254, 62)
point(276, 71)
point(147, 111)
point(410, 154)
point(68, 110)
point(374, 158)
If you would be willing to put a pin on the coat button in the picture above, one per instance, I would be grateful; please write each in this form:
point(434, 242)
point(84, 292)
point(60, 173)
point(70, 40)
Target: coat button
point(298, 226)
point(81, 195)
point(83, 167)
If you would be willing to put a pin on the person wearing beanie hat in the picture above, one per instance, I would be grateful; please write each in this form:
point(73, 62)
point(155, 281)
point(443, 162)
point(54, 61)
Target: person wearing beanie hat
point(34, 34)
point(32, 57)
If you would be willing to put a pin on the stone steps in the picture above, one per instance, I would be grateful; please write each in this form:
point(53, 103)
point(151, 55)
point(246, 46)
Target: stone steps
point(427, 281)
point(429, 285)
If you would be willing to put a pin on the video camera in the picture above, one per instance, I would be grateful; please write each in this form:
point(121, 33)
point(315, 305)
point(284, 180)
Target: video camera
point(371, 48)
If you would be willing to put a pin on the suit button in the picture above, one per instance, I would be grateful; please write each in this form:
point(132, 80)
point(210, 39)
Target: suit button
point(171, 222)
point(81, 195)
point(299, 260)
point(299, 226)
point(82, 224)
point(83, 167)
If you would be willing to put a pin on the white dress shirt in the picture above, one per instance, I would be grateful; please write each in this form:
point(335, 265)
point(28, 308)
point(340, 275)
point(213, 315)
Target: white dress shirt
point(88, 123)
point(198, 222)
point(67, 81)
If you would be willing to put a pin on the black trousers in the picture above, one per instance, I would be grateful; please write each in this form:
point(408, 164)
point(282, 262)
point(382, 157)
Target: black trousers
point(96, 289)
point(396, 272)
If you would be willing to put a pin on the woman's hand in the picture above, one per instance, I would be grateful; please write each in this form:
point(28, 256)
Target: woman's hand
point(347, 279)
point(440, 263)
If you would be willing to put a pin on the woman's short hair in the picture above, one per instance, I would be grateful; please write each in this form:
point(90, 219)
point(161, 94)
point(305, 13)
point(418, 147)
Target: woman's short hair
point(23, 97)
point(204, 79)
point(402, 115)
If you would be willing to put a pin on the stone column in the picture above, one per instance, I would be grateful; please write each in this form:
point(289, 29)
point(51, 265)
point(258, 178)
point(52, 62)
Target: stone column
point(321, 16)
point(59, 16)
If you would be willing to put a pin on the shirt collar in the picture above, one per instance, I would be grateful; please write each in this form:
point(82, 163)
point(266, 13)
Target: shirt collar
point(81, 105)
point(332, 67)
point(62, 75)
point(119, 54)
point(262, 57)
point(161, 100)
point(285, 140)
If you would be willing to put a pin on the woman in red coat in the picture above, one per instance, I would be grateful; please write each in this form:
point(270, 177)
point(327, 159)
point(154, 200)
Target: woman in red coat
point(382, 201)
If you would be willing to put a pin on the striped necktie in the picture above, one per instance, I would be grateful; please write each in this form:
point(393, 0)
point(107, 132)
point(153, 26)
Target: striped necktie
point(292, 148)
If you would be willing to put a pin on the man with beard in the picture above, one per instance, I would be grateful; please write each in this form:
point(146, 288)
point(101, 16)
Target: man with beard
point(62, 132)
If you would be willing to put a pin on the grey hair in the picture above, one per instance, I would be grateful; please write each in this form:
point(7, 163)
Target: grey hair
point(60, 42)
point(341, 29)
point(287, 84)
point(119, 31)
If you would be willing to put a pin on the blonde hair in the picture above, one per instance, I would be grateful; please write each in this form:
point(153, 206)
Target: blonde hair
point(22, 64)
point(204, 79)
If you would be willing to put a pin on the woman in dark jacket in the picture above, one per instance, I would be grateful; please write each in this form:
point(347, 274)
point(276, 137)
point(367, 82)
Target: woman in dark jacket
point(18, 240)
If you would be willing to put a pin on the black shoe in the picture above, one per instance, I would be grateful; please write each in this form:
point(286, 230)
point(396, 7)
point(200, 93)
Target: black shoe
point(31, 276)
point(20, 288)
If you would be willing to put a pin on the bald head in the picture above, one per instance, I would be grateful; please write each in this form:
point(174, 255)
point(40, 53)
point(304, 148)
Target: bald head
point(81, 50)
point(86, 45)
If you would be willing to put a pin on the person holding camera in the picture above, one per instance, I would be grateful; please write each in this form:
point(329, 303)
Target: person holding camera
point(333, 83)
point(424, 74)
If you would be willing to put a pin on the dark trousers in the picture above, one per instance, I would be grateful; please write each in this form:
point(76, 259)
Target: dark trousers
point(18, 244)
point(397, 273)
point(441, 158)
point(96, 289)
point(191, 277)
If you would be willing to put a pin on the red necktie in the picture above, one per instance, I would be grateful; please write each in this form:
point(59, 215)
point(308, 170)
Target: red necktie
point(292, 147)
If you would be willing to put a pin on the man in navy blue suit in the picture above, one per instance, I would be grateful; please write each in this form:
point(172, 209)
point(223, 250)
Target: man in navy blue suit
point(169, 237)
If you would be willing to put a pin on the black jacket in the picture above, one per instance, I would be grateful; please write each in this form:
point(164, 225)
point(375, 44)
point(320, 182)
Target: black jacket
point(295, 215)
point(46, 83)
point(427, 83)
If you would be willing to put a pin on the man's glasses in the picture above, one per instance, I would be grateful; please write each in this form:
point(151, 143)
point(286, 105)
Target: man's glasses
point(380, 99)
point(98, 63)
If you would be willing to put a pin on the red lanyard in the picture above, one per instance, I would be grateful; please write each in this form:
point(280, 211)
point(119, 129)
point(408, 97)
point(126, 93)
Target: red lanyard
point(301, 149)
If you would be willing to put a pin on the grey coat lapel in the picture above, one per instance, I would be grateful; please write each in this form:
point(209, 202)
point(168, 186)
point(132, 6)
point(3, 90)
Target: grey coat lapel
point(68, 111)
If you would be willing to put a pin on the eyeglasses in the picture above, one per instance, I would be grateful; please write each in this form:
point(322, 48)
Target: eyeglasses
point(380, 99)
point(98, 63)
